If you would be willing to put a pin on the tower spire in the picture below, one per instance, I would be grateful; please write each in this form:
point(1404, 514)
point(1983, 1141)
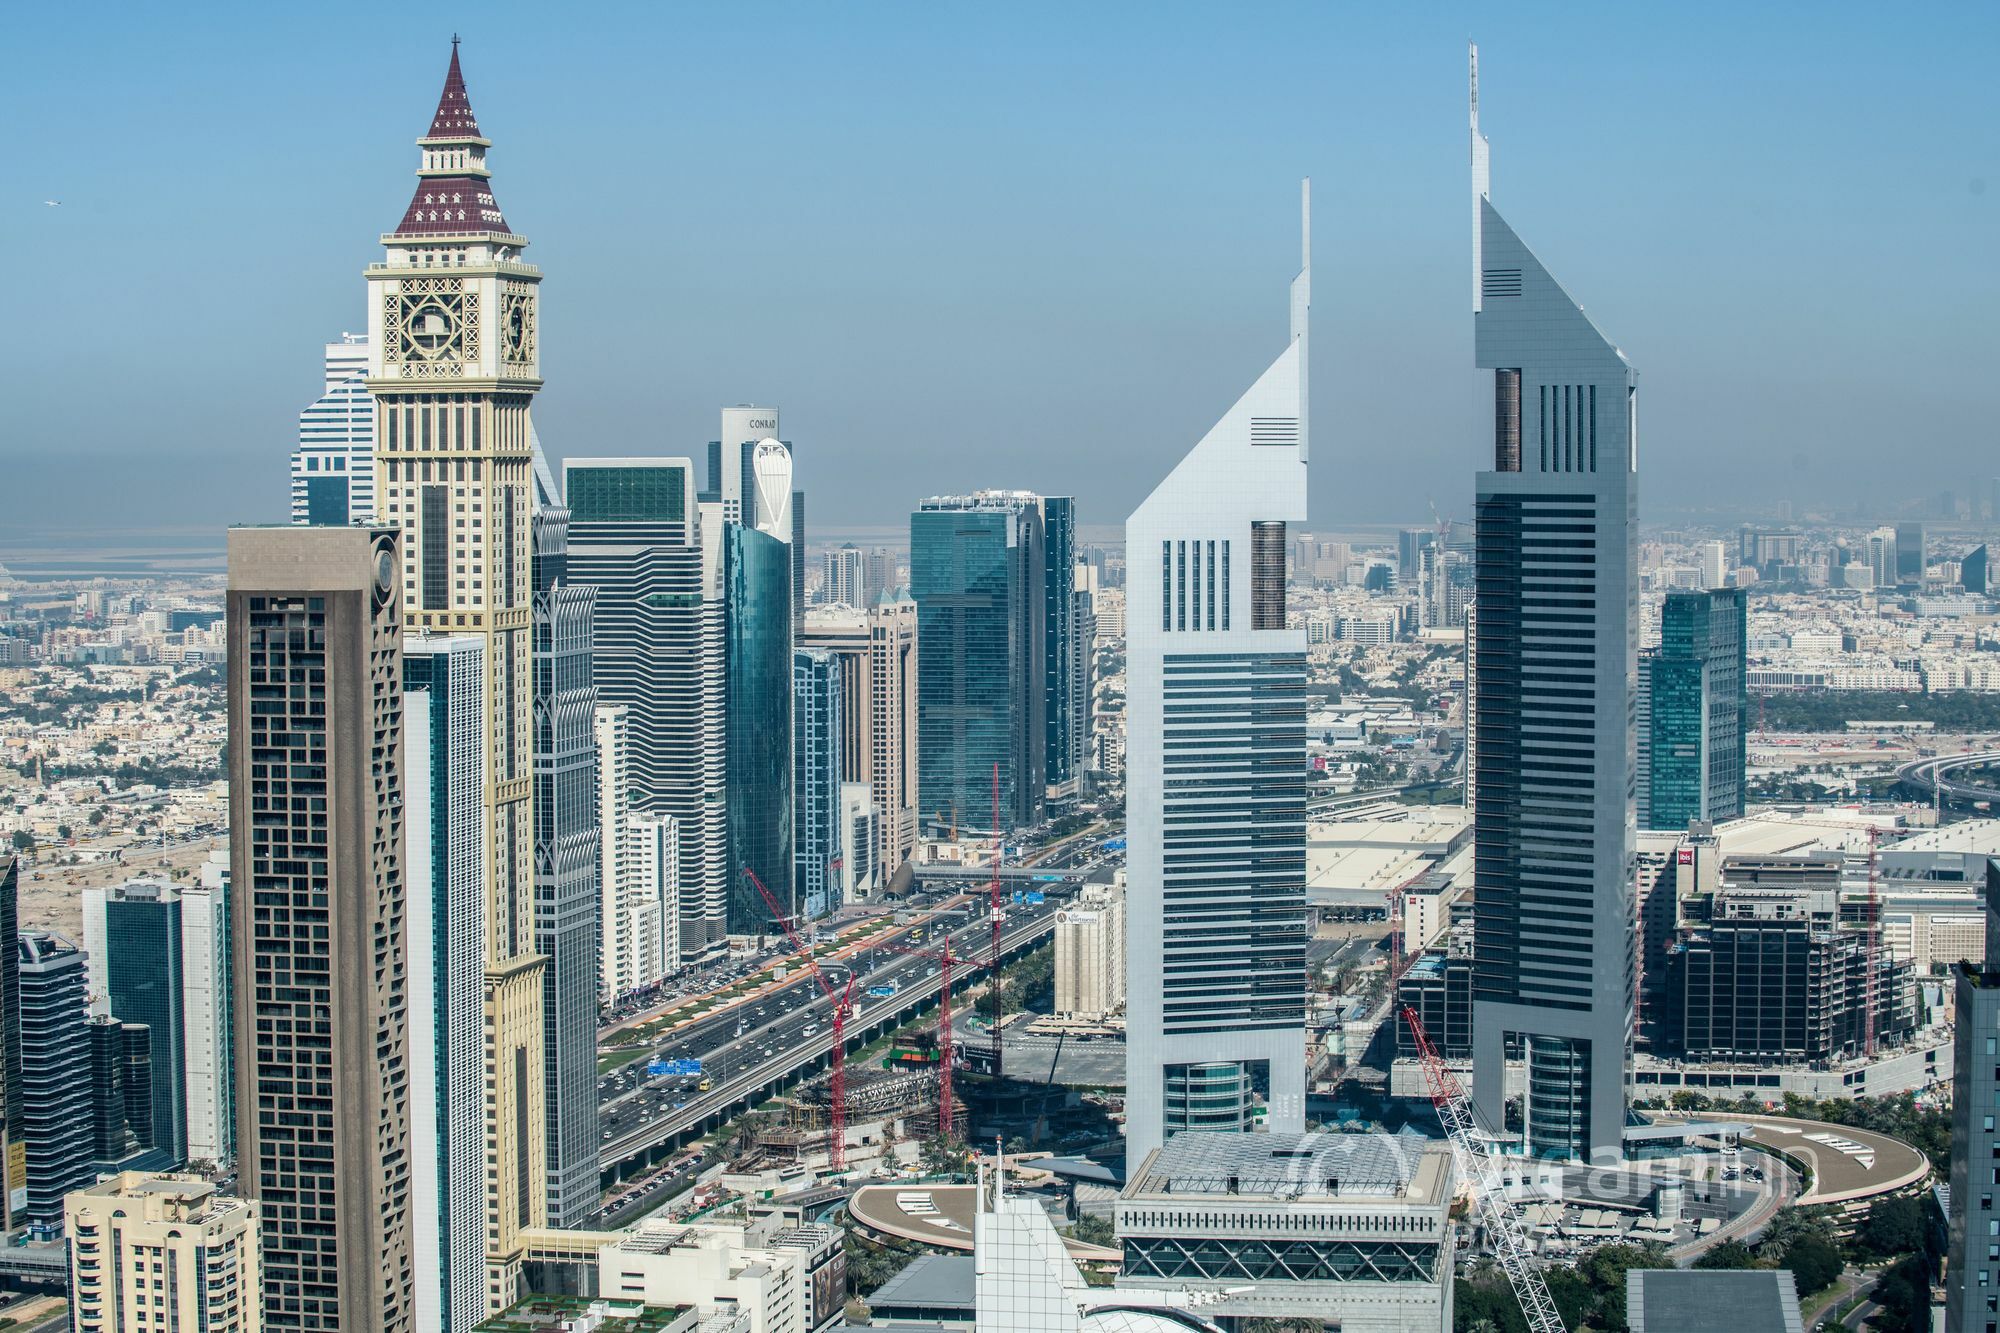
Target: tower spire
point(1302, 303)
point(454, 194)
point(1481, 184)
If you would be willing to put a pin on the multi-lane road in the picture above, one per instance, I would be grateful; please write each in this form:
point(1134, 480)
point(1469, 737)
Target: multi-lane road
point(761, 1044)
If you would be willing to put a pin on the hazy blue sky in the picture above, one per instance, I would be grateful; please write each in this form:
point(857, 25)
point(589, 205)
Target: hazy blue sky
point(1037, 245)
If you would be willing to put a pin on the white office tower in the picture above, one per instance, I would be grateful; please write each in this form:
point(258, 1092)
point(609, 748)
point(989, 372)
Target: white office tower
point(639, 871)
point(1216, 764)
point(205, 1000)
point(733, 468)
point(444, 766)
point(858, 873)
point(1025, 1282)
point(1555, 857)
point(333, 467)
point(846, 571)
point(1714, 564)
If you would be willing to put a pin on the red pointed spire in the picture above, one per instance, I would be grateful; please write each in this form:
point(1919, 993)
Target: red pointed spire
point(454, 118)
point(454, 196)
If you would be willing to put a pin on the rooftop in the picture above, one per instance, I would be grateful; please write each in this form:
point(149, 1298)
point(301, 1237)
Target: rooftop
point(1320, 1166)
point(1669, 1300)
point(929, 1283)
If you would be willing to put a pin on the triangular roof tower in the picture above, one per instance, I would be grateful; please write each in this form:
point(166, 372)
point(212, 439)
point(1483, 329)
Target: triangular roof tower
point(454, 196)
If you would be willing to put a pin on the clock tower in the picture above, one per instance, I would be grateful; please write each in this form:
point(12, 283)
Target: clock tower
point(452, 368)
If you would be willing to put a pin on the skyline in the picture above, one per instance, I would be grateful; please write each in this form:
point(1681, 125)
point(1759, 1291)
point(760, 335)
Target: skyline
point(1094, 298)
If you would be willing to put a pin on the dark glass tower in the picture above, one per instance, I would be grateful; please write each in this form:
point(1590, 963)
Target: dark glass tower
point(10, 1038)
point(1698, 716)
point(978, 574)
point(55, 1075)
point(757, 576)
point(566, 847)
point(141, 971)
point(1063, 746)
point(818, 741)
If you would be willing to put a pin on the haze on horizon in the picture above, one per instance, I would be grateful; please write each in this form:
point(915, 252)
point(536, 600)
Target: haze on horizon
point(1041, 247)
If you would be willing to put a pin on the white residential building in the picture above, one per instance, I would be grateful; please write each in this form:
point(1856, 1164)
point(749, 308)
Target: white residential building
point(205, 1003)
point(1090, 955)
point(163, 1252)
point(712, 1267)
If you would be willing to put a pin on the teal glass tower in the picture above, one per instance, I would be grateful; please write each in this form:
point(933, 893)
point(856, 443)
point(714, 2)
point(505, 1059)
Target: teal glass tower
point(136, 927)
point(977, 573)
point(1693, 748)
point(757, 574)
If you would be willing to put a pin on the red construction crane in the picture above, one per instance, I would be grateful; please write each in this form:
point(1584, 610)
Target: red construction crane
point(843, 1009)
point(999, 991)
point(947, 1104)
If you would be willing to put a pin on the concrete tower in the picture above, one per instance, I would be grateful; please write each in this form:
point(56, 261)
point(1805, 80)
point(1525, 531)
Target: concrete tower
point(453, 367)
point(1216, 763)
point(1557, 649)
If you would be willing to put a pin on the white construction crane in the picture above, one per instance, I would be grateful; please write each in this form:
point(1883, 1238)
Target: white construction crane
point(1482, 1176)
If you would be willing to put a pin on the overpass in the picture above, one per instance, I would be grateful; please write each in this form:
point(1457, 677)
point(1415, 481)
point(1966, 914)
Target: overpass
point(1931, 776)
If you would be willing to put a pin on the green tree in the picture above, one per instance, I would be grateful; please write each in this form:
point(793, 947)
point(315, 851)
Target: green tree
point(65, 832)
point(1729, 1254)
point(23, 840)
point(1895, 1227)
point(1092, 1230)
point(1815, 1262)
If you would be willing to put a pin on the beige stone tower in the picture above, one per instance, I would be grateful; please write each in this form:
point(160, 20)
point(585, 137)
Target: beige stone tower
point(453, 367)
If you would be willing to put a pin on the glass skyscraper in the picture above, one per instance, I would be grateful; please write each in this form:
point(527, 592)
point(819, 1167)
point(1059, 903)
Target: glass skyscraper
point(132, 932)
point(333, 468)
point(1062, 747)
point(757, 573)
point(1696, 689)
point(818, 743)
point(1555, 855)
point(55, 1101)
point(978, 575)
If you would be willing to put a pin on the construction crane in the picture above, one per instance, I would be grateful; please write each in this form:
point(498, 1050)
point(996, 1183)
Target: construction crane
point(1482, 1176)
point(946, 959)
point(843, 1009)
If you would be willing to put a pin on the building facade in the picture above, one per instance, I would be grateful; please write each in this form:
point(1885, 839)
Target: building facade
point(817, 723)
point(444, 772)
point(13, 1161)
point(878, 672)
point(333, 467)
point(566, 853)
point(1554, 844)
point(322, 1065)
point(207, 1002)
point(1216, 771)
point(163, 1252)
point(1695, 688)
point(1063, 740)
point(844, 578)
point(978, 576)
point(636, 535)
point(133, 934)
point(453, 365)
point(1090, 955)
point(55, 1100)
point(1972, 1269)
point(757, 578)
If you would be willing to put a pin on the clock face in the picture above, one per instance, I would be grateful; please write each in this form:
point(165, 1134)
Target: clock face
point(432, 329)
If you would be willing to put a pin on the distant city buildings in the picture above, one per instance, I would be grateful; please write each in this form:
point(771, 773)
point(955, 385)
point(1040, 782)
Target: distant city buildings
point(333, 466)
point(321, 943)
point(1216, 764)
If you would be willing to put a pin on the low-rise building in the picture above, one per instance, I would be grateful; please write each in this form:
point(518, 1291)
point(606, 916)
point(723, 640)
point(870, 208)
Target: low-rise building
point(1347, 1228)
point(160, 1252)
point(713, 1267)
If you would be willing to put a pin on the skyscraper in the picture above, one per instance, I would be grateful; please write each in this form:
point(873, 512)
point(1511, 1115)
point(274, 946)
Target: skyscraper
point(55, 1106)
point(844, 577)
point(1062, 744)
point(1972, 1273)
point(638, 876)
point(757, 582)
point(879, 575)
point(13, 1162)
point(454, 365)
point(566, 849)
point(732, 475)
point(1555, 856)
point(444, 763)
point(1216, 765)
point(319, 946)
point(878, 672)
point(207, 999)
point(1697, 711)
point(333, 467)
point(636, 535)
point(817, 724)
point(1911, 554)
point(1973, 570)
point(132, 933)
point(977, 574)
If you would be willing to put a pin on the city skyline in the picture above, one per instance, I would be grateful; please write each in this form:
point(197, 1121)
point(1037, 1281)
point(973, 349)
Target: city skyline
point(847, 237)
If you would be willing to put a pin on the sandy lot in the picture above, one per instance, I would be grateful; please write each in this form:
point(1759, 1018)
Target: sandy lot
point(51, 897)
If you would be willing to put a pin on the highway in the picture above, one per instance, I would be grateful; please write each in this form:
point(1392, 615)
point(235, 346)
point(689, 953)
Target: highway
point(758, 1046)
point(1927, 775)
